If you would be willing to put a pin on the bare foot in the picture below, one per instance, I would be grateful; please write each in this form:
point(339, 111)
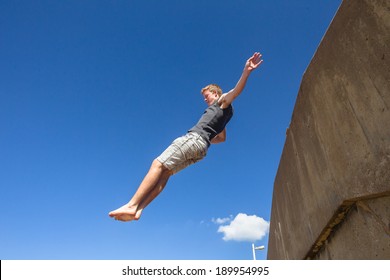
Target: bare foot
point(138, 214)
point(124, 218)
point(125, 213)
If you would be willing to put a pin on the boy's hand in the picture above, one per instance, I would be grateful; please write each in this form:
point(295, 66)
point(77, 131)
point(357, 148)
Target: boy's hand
point(253, 62)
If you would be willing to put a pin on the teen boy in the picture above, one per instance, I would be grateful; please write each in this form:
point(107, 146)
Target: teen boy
point(189, 148)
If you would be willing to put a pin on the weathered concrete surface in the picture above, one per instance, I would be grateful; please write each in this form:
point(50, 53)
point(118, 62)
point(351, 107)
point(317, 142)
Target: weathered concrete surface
point(332, 190)
point(364, 234)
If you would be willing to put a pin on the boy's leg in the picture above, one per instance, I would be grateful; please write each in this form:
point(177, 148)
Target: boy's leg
point(183, 152)
point(153, 194)
point(157, 172)
point(177, 158)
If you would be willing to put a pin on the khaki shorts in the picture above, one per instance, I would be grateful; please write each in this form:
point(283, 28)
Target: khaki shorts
point(183, 152)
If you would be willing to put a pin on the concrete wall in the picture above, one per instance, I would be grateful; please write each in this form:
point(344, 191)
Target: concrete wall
point(331, 195)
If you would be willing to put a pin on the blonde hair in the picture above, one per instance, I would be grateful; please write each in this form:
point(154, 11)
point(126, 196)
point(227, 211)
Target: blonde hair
point(213, 88)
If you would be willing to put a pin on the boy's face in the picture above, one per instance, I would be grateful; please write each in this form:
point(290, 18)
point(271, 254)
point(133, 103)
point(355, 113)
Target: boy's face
point(210, 97)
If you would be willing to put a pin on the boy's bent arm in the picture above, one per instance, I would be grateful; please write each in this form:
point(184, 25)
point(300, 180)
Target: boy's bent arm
point(251, 64)
point(219, 138)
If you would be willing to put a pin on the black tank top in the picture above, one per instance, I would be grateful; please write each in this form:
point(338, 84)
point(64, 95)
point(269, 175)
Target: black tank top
point(213, 121)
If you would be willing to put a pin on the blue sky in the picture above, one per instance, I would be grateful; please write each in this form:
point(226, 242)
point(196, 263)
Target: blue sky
point(92, 91)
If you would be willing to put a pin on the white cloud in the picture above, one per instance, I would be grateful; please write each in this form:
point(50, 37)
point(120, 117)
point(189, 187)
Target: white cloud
point(243, 228)
point(220, 221)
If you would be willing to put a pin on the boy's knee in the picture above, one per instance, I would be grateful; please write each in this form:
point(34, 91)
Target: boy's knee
point(158, 165)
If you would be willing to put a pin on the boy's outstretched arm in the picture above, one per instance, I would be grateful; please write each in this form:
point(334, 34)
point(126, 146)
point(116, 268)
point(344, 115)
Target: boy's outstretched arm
point(251, 64)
